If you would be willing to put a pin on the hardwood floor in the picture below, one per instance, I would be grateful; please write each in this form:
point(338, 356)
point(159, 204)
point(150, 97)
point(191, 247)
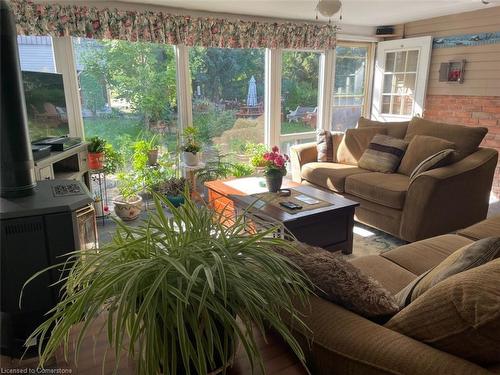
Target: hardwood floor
point(278, 358)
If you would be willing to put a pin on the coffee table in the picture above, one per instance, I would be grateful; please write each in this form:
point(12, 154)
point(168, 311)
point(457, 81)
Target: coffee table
point(329, 227)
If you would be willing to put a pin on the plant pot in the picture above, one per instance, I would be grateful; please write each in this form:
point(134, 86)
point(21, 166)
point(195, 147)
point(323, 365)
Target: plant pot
point(128, 210)
point(152, 157)
point(260, 171)
point(95, 160)
point(191, 159)
point(274, 181)
point(175, 200)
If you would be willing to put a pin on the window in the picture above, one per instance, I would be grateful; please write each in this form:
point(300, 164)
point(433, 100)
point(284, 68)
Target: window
point(36, 53)
point(400, 74)
point(127, 90)
point(228, 98)
point(299, 97)
point(349, 90)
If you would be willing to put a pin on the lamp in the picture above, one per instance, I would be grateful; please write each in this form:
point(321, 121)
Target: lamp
point(328, 8)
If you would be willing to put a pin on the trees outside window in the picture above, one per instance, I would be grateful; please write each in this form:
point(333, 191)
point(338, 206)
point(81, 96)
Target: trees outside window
point(228, 97)
point(127, 89)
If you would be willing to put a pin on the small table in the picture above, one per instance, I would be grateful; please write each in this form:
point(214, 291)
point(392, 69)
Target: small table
point(189, 172)
point(328, 227)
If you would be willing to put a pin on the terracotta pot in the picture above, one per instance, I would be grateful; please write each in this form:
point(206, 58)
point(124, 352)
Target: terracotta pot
point(274, 181)
point(95, 160)
point(128, 210)
point(152, 157)
point(191, 159)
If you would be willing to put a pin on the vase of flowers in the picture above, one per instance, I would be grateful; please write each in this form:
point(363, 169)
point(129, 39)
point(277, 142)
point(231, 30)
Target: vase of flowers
point(275, 168)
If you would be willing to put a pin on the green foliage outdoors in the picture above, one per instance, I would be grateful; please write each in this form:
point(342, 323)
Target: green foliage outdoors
point(295, 127)
point(178, 300)
point(300, 79)
point(213, 123)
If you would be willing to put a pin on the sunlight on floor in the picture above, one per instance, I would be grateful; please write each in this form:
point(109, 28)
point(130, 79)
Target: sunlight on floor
point(493, 198)
point(362, 232)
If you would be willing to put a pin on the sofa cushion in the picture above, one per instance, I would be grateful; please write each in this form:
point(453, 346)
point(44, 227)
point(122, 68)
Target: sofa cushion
point(465, 258)
point(390, 275)
point(324, 146)
point(383, 154)
point(338, 281)
point(329, 175)
point(419, 149)
point(394, 129)
point(385, 189)
point(354, 143)
point(419, 257)
point(486, 228)
point(465, 138)
point(459, 315)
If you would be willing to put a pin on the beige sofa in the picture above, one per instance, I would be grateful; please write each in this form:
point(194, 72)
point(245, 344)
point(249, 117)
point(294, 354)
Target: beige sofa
point(342, 342)
point(436, 202)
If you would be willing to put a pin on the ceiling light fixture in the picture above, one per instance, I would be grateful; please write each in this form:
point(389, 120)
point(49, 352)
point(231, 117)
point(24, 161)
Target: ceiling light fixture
point(328, 8)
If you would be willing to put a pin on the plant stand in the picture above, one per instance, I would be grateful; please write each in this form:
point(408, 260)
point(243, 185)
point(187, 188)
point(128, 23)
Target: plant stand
point(189, 172)
point(98, 177)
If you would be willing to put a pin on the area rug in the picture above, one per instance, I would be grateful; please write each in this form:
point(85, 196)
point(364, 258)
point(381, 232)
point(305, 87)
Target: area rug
point(369, 241)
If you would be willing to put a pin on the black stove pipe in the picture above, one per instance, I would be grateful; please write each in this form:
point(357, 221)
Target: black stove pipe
point(16, 168)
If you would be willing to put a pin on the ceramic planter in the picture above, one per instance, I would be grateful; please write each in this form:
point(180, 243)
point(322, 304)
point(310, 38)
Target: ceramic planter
point(175, 200)
point(128, 210)
point(191, 159)
point(95, 160)
point(274, 180)
point(152, 157)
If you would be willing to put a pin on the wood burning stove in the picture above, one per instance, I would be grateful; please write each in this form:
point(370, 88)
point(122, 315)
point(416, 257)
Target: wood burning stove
point(36, 232)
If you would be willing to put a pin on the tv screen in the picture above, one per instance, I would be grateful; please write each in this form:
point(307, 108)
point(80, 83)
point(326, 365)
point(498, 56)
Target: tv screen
point(45, 104)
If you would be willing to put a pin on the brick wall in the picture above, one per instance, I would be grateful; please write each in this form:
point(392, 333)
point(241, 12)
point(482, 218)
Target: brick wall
point(472, 111)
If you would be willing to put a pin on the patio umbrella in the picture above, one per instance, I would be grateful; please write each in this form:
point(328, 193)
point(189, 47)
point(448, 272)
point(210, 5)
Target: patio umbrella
point(252, 93)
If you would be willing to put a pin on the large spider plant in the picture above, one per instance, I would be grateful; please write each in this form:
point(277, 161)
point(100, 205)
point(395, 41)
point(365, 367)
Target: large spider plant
point(172, 289)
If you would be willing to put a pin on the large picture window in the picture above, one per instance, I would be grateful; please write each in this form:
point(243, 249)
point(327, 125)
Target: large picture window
point(127, 90)
point(228, 98)
point(349, 92)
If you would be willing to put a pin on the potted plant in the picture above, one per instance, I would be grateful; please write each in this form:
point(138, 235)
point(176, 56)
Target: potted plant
point(96, 148)
point(113, 159)
point(128, 204)
point(255, 152)
point(153, 146)
point(275, 168)
point(173, 188)
point(176, 300)
point(191, 147)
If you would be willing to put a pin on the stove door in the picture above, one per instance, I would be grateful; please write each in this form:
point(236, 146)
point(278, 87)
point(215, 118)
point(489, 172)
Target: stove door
point(87, 228)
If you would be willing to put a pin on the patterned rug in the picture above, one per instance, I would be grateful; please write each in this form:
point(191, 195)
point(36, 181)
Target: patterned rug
point(369, 241)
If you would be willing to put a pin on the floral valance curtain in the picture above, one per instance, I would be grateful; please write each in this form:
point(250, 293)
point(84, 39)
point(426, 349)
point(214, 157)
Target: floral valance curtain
point(159, 27)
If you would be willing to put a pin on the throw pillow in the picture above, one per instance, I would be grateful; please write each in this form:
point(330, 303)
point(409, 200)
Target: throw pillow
point(324, 146)
point(354, 143)
point(340, 282)
point(383, 154)
point(394, 129)
point(439, 159)
point(465, 138)
point(460, 315)
point(419, 149)
point(467, 257)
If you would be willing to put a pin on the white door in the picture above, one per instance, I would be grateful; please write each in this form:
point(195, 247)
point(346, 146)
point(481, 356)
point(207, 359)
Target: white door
point(401, 70)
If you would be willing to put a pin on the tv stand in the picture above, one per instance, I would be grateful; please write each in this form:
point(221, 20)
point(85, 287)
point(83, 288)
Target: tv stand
point(68, 165)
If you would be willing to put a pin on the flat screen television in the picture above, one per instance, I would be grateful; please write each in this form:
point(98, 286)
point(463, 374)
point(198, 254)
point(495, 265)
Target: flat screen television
point(45, 105)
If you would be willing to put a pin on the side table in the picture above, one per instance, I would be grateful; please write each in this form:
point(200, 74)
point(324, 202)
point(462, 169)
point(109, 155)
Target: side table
point(189, 172)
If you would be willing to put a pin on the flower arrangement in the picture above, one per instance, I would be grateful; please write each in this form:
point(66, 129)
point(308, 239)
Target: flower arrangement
point(275, 162)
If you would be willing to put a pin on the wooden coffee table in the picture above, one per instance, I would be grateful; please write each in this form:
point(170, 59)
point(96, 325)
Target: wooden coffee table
point(329, 227)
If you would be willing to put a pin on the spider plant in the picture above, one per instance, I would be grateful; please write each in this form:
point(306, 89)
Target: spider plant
point(178, 292)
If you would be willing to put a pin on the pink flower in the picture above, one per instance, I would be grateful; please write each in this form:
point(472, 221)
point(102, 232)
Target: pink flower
point(275, 149)
point(267, 156)
point(279, 161)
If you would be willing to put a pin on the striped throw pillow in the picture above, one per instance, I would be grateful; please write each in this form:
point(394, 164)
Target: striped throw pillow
point(383, 154)
point(324, 146)
point(439, 159)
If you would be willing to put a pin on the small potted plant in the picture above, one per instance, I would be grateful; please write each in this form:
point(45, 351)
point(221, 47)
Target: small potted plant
point(275, 168)
point(173, 188)
point(96, 148)
point(191, 147)
point(255, 152)
point(153, 146)
point(128, 205)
